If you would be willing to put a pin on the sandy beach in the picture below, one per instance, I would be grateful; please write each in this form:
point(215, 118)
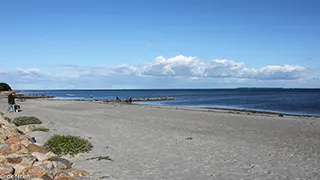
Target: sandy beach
point(178, 144)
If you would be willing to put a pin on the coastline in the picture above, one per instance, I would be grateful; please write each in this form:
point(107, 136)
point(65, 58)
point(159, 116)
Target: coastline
point(209, 109)
point(148, 142)
point(234, 111)
point(256, 100)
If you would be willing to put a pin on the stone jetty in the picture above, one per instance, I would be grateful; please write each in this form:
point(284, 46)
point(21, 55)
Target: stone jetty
point(22, 159)
point(142, 99)
point(32, 96)
point(153, 99)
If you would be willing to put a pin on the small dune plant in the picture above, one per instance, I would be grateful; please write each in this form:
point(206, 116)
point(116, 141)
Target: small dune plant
point(67, 145)
point(26, 120)
point(41, 129)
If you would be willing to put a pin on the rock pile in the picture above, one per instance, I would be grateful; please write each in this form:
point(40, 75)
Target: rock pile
point(21, 159)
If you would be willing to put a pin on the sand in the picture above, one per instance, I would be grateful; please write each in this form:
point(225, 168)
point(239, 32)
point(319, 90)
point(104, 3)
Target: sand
point(149, 143)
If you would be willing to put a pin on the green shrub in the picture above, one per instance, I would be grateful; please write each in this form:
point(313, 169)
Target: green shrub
point(41, 129)
point(26, 120)
point(4, 87)
point(68, 145)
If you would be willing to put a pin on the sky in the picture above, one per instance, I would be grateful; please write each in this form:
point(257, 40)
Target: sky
point(134, 44)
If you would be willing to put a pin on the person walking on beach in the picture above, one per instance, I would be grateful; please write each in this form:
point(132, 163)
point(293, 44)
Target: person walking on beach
point(11, 102)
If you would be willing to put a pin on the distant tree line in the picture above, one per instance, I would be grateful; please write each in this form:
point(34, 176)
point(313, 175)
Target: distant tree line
point(4, 87)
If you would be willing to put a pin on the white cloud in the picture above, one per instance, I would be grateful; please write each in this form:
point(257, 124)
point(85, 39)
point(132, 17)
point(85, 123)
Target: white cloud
point(122, 69)
point(29, 74)
point(219, 68)
point(28, 71)
point(176, 72)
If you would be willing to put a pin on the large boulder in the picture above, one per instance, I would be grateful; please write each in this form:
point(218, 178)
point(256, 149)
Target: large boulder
point(18, 139)
point(60, 163)
point(6, 170)
point(76, 172)
point(63, 176)
point(35, 148)
point(4, 149)
point(34, 171)
point(19, 161)
point(18, 149)
point(47, 168)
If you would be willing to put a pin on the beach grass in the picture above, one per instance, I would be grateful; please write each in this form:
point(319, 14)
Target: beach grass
point(26, 120)
point(68, 145)
point(41, 129)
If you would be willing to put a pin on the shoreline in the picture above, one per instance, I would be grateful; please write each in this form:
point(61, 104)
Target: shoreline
point(210, 109)
point(234, 111)
point(150, 142)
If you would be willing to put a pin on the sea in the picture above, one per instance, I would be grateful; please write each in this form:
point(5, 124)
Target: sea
point(288, 101)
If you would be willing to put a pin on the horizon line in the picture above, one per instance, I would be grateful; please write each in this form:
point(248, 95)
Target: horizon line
point(161, 88)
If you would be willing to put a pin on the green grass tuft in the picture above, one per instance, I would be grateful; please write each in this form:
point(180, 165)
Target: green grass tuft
point(67, 145)
point(41, 129)
point(26, 120)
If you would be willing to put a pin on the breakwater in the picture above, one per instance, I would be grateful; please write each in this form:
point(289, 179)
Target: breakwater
point(141, 99)
point(32, 96)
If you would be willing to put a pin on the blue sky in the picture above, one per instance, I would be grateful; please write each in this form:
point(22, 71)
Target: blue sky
point(174, 44)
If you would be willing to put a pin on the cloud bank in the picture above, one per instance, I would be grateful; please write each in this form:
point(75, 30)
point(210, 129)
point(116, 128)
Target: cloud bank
point(178, 71)
point(219, 68)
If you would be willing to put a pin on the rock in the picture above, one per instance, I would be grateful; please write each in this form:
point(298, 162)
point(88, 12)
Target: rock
point(18, 131)
point(65, 178)
point(46, 164)
point(2, 125)
point(49, 169)
point(4, 149)
point(3, 138)
point(34, 148)
point(62, 175)
point(11, 134)
point(15, 147)
point(34, 171)
point(46, 177)
point(76, 172)
point(6, 170)
point(20, 157)
point(19, 161)
point(26, 142)
point(40, 156)
point(16, 139)
point(28, 128)
point(7, 126)
point(89, 178)
point(18, 149)
point(60, 163)
point(51, 155)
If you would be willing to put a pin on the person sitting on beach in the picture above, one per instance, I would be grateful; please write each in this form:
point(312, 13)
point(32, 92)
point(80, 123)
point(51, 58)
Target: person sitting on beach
point(11, 102)
point(117, 99)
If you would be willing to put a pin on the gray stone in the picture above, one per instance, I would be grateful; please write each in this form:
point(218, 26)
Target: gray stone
point(61, 162)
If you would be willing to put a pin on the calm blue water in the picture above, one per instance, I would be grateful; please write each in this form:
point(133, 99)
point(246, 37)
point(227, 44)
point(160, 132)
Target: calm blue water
point(293, 101)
